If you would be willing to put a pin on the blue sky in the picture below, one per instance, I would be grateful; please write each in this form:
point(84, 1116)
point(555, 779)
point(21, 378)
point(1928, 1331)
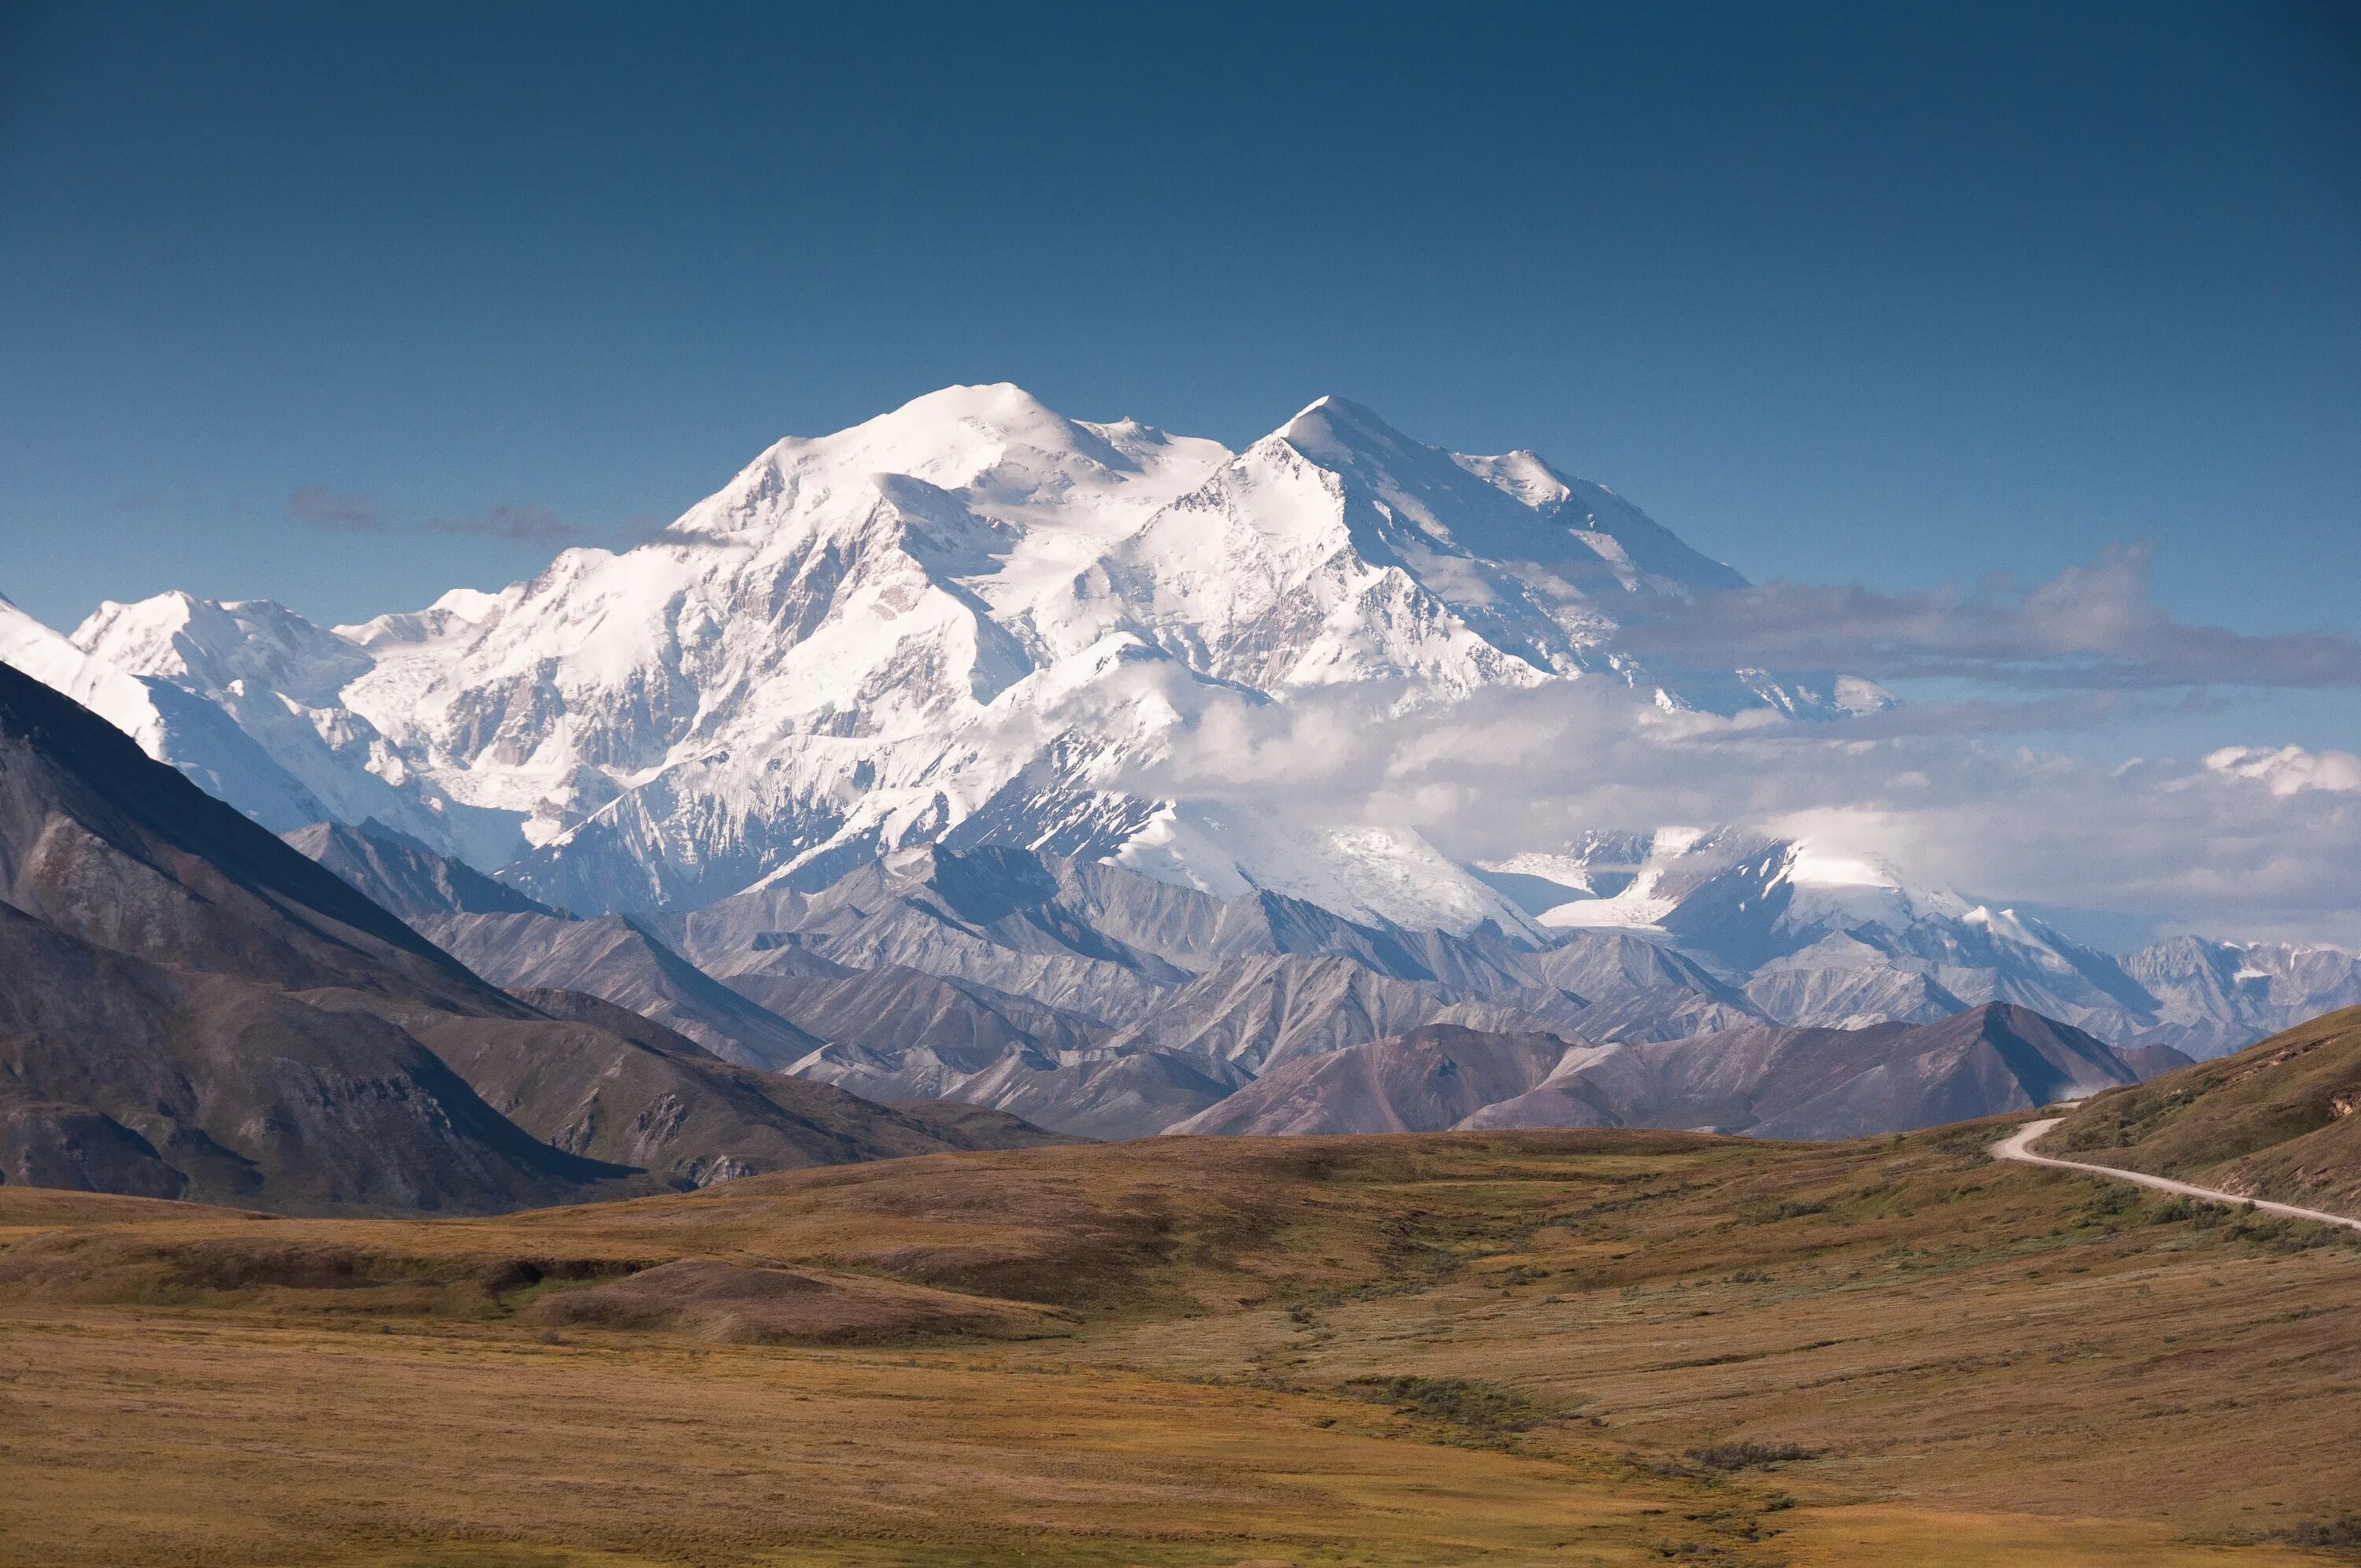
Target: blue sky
point(1877, 294)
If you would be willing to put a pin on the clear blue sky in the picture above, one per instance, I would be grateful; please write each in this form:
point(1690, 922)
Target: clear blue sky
point(1884, 293)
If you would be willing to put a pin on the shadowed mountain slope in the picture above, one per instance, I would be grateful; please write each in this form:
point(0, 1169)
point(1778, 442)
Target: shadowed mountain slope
point(600, 1081)
point(97, 840)
point(403, 876)
point(190, 1007)
point(118, 1075)
point(611, 957)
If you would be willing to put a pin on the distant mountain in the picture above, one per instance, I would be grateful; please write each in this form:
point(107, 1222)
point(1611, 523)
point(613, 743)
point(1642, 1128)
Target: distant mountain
point(867, 767)
point(1428, 1080)
point(518, 943)
point(1102, 1094)
point(1813, 936)
point(1246, 1016)
point(1028, 982)
point(874, 979)
point(405, 877)
point(612, 958)
point(1765, 1082)
point(1892, 1077)
point(2218, 996)
point(907, 1009)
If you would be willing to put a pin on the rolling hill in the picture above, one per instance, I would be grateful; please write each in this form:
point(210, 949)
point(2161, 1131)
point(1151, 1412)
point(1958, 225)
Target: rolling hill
point(2278, 1120)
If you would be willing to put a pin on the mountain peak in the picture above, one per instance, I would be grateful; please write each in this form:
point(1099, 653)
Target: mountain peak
point(991, 401)
point(1336, 429)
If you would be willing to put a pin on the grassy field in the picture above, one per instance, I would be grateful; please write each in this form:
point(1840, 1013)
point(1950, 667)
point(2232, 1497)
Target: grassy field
point(1499, 1349)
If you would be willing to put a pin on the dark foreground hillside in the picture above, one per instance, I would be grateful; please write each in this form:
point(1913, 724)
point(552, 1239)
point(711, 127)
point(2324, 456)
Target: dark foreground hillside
point(1507, 1348)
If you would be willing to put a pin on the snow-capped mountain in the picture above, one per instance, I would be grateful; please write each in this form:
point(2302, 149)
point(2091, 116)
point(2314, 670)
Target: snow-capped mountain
point(2215, 997)
point(970, 621)
point(172, 722)
point(1812, 935)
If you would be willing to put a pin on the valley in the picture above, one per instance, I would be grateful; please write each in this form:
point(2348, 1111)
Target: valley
point(1519, 1347)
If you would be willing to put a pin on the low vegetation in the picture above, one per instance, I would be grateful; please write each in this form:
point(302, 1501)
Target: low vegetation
point(1515, 1348)
point(1470, 1406)
point(2277, 1119)
point(1752, 1455)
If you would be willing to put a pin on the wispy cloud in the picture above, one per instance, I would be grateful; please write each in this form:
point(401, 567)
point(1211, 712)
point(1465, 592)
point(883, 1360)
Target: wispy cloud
point(335, 513)
point(518, 523)
point(2093, 625)
point(512, 522)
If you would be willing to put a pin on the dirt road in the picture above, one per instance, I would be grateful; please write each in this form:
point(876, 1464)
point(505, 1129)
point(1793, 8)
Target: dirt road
point(2018, 1145)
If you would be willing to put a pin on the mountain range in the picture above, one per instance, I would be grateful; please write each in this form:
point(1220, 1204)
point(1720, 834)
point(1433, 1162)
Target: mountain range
point(971, 619)
point(1108, 1005)
point(852, 782)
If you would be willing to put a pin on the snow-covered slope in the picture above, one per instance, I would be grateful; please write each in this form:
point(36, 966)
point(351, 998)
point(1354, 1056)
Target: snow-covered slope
point(1817, 936)
point(2217, 997)
point(171, 723)
point(1829, 938)
point(971, 619)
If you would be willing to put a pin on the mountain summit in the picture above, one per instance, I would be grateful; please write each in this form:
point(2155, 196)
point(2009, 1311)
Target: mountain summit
point(971, 619)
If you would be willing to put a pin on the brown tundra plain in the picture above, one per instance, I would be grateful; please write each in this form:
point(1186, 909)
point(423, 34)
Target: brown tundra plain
point(1537, 1347)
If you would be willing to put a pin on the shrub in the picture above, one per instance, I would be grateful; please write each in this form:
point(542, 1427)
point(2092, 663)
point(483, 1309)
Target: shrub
point(2345, 1530)
point(1463, 1402)
point(1746, 1456)
point(1766, 1213)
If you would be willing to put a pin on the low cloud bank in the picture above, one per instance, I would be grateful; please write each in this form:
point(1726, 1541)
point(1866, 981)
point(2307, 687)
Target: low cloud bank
point(2249, 843)
point(2092, 626)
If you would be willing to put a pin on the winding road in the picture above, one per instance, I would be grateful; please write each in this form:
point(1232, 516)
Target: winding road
point(2018, 1145)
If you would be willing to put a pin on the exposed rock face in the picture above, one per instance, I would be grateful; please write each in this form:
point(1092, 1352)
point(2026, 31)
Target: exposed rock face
point(1766, 1081)
point(1427, 1081)
point(613, 959)
point(406, 878)
point(119, 1075)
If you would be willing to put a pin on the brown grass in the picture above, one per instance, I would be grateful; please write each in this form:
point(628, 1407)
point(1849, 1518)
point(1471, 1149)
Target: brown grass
point(2280, 1120)
point(1513, 1348)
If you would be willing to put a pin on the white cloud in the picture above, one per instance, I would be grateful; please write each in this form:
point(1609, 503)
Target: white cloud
point(2289, 769)
point(2191, 843)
